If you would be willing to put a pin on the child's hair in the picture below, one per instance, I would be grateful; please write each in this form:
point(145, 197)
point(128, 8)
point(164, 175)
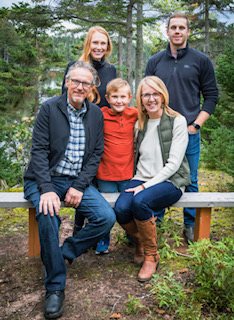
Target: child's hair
point(157, 84)
point(115, 84)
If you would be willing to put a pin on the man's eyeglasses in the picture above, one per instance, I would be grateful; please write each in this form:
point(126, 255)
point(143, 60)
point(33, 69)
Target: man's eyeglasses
point(76, 83)
point(147, 96)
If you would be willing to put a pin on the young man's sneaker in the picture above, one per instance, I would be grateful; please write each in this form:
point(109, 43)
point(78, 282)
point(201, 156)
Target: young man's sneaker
point(103, 245)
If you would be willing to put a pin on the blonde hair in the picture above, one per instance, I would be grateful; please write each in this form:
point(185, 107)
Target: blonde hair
point(86, 57)
point(115, 84)
point(157, 84)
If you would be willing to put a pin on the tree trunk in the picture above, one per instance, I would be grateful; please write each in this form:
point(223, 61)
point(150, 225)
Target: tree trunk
point(5, 53)
point(129, 61)
point(139, 45)
point(36, 106)
point(120, 56)
point(207, 33)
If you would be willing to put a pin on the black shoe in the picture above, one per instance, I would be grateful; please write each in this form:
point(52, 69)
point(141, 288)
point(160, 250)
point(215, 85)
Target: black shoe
point(189, 234)
point(53, 307)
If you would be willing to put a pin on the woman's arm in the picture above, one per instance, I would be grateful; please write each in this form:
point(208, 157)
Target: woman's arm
point(176, 154)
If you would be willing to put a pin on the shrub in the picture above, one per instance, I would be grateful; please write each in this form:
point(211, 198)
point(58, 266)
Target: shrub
point(168, 292)
point(213, 265)
point(219, 153)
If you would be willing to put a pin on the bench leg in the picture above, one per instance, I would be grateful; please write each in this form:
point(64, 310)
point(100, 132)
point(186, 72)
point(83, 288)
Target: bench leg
point(202, 224)
point(33, 237)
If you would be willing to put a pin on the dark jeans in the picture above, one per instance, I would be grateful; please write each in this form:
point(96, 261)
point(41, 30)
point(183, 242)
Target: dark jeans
point(144, 204)
point(193, 156)
point(93, 207)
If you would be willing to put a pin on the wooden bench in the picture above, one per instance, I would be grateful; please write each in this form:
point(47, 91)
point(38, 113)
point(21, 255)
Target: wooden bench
point(203, 202)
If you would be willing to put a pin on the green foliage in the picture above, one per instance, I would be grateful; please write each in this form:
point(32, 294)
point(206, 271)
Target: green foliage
point(169, 238)
point(26, 54)
point(15, 141)
point(219, 153)
point(133, 305)
point(10, 173)
point(14, 220)
point(168, 292)
point(217, 133)
point(213, 289)
point(213, 265)
point(225, 70)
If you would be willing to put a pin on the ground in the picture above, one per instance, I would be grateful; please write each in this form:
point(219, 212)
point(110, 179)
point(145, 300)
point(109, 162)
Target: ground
point(98, 287)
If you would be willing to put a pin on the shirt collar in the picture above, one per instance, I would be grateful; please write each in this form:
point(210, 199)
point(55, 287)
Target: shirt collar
point(180, 52)
point(77, 112)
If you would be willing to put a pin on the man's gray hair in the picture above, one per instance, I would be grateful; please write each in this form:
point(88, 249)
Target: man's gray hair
point(83, 65)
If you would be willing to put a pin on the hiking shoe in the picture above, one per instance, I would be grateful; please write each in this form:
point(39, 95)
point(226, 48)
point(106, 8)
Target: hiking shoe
point(189, 234)
point(103, 244)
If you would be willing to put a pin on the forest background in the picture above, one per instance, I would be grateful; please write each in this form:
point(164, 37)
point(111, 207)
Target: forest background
point(38, 39)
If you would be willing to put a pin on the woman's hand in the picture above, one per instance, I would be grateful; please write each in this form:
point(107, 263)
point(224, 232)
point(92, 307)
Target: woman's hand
point(136, 189)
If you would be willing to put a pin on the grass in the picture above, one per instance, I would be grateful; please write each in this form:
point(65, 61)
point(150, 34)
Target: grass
point(176, 277)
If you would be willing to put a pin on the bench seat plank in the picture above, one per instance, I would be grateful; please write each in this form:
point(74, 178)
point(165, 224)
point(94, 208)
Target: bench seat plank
point(203, 202)
point(192, 200)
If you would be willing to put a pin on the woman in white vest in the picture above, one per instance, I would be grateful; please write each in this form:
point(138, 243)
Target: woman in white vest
point(161, 171)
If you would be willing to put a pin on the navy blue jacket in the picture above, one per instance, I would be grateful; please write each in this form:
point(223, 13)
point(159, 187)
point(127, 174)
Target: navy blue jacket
point(106, 72)
point(50, 137)
point(186, 77)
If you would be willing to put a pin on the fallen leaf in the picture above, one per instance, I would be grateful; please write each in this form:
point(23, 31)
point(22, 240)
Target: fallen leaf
point(185, 270)
point(85, 279)
point(115, 316)
point(160, 311)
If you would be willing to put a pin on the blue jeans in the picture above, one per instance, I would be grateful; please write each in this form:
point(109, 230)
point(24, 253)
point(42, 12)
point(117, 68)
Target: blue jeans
point(193, 156)
point(111, 186)
point(93, 207)
point(105, 187)
point(143, 205)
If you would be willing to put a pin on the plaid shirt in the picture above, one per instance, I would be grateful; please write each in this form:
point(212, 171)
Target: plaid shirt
point(71, 163)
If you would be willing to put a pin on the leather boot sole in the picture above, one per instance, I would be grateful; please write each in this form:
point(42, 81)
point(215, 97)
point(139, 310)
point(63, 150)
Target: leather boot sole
point(151, 274)
point(54, 315)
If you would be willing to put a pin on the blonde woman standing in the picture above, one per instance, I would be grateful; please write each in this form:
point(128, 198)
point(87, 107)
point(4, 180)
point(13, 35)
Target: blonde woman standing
point(161, 171)
point(97, 47)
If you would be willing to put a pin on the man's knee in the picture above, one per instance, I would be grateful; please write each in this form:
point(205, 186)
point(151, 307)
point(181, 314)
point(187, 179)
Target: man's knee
point(48, 224)
point(109, 217)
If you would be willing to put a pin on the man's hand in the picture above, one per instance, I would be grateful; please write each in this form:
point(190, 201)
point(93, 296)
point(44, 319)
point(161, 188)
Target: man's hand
point(136, 189)
point(201, 119)
point(192, 129)
point(73, 198)
point(49, 202)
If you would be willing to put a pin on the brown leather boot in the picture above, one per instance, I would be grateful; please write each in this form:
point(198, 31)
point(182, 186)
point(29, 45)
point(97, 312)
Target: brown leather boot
point(148, 234)
point(132, 230)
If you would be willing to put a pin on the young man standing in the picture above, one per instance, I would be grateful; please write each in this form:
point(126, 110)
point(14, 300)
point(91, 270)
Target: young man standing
point(187, 73)
point(67, 147)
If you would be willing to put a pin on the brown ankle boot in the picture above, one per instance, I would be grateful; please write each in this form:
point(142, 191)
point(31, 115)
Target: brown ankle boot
point(132, 230)
point(148, 234)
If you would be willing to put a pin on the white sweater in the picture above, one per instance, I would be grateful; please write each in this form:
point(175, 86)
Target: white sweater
point(150, 165)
